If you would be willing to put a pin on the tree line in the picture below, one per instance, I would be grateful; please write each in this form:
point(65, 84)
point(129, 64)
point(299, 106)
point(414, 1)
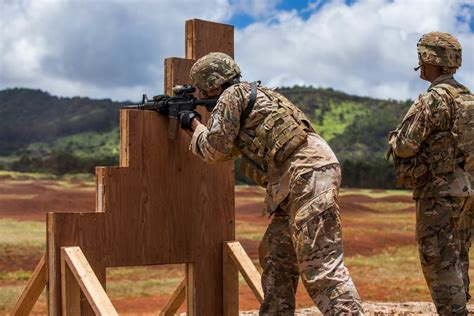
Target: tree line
point(73, 135)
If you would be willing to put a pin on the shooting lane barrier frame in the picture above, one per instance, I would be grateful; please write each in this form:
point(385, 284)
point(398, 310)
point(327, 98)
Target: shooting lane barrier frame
point(162, 205)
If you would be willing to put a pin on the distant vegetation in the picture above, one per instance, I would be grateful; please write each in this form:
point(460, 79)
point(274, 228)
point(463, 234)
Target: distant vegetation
point(40, 132)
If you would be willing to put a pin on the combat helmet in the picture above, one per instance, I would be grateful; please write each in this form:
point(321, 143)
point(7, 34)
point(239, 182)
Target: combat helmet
point(213, 70)
point(440, 49)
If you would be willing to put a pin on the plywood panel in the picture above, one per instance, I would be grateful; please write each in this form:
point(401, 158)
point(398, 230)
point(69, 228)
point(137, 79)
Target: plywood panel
point(203, 37)
point(162, 205)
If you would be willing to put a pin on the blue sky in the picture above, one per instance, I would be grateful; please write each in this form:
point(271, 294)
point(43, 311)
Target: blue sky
point(115, 48)
point(304, 8)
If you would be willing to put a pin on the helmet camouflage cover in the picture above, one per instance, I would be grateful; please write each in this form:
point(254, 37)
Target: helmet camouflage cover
point(213, 70)
point(440, 49)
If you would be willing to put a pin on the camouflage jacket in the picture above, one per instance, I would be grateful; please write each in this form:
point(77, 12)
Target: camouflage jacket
point(223, 136)
point(425, 140)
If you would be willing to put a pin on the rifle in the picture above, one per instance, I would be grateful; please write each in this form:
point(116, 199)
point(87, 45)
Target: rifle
point(171, 106)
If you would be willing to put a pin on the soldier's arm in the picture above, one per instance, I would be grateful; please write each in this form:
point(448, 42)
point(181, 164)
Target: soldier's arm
point(215, 142)
point(427, 115)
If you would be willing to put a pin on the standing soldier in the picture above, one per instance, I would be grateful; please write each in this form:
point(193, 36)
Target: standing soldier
point(433, 150)
point(281, 152)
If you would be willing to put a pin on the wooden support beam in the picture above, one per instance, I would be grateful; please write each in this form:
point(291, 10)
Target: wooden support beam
point(191, 289)
point(32, 290)
point(176, 300)
point(157, 202)
point(231, 284)
point(88, 282)
point(70, 290)
point(246, 267)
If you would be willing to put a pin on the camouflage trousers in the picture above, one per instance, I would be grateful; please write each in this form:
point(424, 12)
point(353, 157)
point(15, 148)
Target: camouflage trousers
point(304, 239)
point(444, 230)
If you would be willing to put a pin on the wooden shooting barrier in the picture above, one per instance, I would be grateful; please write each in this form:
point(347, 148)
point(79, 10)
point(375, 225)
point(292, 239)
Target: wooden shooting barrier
point(162, 205)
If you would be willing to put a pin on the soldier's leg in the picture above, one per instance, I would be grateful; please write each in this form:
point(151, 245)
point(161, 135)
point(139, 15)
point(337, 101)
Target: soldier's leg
point(280, 271)
point(465, 227)
point(439, 248)
point(317, 235)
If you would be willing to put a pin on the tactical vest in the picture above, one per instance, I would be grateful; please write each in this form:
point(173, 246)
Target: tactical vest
point(442, 151)
point(276, 138)
point(463, 126)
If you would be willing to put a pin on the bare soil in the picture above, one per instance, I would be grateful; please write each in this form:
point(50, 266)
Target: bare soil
point(31, 200)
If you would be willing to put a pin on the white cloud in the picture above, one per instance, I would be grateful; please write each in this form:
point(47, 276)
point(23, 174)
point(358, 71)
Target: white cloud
point(255, 9)
point(111, 49)
point(115, 49)
point(368, 48)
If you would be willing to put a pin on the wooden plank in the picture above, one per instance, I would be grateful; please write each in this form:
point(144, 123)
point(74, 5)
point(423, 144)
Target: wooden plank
point(246, 267)
point(203, 37)
point(190, 289)
point(32, 290)
point(70, 290)
point(162, 203)
point(231, 285)
point(88, 281)
point(176, 300)
point(176, 72)
point(53, 285)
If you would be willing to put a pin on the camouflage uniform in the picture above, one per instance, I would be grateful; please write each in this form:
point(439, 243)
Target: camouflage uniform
point(304, 237)
point(428, 159)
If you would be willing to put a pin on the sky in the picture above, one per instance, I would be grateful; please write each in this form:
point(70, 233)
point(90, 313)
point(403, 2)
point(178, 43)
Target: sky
point(115, 48)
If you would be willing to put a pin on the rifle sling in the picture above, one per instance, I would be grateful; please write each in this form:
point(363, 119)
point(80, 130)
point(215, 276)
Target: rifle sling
point(249, 108)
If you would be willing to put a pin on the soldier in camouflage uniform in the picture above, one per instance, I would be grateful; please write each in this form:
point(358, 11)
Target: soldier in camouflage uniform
point(433, 153)
point(281, 152)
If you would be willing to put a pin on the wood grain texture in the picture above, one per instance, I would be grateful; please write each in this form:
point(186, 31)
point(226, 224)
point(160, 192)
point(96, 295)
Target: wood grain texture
point(162, 205)
point(32, 290)
point(203, 37)
point(246, 267)
point(176, 300)
point(74, 262)
point(231, 285)
point(70, 290)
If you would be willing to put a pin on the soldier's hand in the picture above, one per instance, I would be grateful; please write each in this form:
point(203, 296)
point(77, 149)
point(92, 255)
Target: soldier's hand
point(186, 119)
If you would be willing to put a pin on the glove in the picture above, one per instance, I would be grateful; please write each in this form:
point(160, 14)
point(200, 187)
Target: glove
point(186, 118)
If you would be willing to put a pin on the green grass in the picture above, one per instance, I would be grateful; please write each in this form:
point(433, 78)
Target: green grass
point(126, 282)
point(22, 235)
point(375, 193)
point(340, 116)
point(8, 296)
point(15, 175)
point(19, 275)
point(388, 206)
point(245, 230)
point(90, 144)
point(397, 269)
point(140, 288)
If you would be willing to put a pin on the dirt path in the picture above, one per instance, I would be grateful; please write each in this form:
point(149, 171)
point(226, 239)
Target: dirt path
point(30, 200)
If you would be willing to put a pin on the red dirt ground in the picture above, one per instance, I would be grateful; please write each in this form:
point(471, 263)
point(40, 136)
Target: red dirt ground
point(46, 197)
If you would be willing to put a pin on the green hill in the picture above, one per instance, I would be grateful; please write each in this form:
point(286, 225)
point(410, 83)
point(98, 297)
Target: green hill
point(40, 132)
point(28, 116)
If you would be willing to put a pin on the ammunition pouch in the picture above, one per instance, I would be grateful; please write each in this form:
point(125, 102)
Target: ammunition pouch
point(440, 150)
point(410, 172)
point(463, 126)
point(280, 134)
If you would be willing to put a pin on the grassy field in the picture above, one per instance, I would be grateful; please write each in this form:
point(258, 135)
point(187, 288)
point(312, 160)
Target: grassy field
point(378, 236)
